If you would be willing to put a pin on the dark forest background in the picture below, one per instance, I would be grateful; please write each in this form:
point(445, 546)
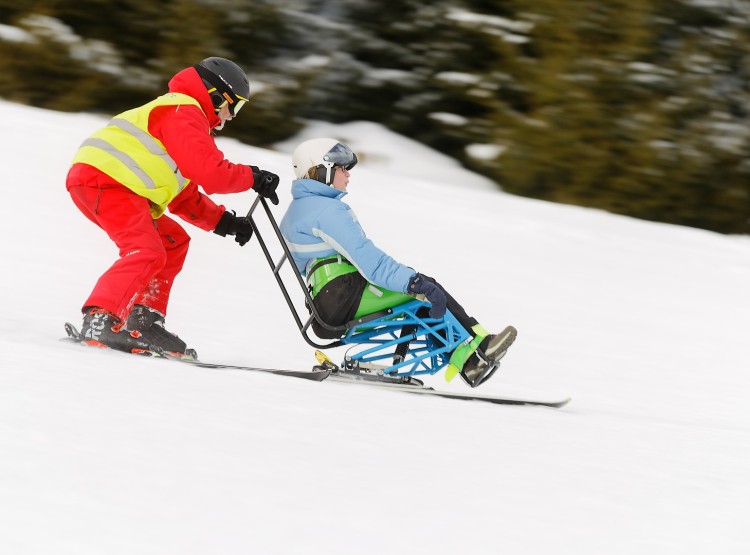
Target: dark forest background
point(638, 107)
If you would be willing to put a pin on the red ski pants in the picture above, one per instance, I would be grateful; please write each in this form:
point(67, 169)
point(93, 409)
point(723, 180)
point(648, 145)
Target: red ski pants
point(152, 252)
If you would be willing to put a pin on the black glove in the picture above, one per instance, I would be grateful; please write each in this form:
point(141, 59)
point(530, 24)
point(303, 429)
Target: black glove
point(229, 224)
point(423, 285)
point(265, 183)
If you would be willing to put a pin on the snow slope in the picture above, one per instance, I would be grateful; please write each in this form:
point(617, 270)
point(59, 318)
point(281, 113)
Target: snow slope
point(645, 325)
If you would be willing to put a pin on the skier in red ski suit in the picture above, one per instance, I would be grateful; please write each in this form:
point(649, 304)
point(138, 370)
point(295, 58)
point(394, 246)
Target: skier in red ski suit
point(144, 161)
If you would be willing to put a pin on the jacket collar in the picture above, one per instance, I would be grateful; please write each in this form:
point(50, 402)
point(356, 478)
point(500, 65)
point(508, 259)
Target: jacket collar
point(189, 82)
point(302, 188)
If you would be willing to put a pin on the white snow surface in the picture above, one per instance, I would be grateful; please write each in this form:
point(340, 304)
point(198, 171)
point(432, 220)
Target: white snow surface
point(645, 325)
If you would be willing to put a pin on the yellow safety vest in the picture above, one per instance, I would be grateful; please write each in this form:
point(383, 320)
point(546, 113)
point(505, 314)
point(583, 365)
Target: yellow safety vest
point(130, 155)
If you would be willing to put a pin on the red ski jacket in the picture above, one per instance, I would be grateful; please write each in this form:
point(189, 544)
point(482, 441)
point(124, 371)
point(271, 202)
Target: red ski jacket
point(184, 132)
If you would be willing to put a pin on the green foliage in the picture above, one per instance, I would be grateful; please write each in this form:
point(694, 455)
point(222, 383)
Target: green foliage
point(105, 55)
point(639, 107)
point(618, 107)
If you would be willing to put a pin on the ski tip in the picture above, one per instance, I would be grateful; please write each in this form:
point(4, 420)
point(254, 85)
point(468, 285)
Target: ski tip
point(540, 402)
point(561, 403)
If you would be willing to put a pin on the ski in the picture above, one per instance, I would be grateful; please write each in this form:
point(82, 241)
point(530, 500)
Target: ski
point(313, 375)
point(426, 390)
point(327, 370)
point(375, 378)
point(317, 375)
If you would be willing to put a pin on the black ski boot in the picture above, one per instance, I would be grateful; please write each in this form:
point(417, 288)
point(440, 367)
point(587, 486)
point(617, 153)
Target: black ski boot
point(484, 361)
point(150, 324)
point(103, 329)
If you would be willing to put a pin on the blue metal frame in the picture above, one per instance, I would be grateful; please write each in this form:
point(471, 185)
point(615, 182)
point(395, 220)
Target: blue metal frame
point(429, 351)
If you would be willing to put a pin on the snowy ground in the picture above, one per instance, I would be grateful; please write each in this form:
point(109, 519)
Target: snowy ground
point(644, 325)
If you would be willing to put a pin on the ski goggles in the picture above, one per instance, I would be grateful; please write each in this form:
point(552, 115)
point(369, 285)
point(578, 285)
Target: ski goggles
point(342, 156)
point(234, 102)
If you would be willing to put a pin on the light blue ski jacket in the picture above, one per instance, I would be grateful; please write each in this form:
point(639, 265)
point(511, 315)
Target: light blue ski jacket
point(318, 224)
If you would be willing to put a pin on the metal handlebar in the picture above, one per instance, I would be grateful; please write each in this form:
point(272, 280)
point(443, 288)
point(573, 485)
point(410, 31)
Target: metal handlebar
point(276, 268)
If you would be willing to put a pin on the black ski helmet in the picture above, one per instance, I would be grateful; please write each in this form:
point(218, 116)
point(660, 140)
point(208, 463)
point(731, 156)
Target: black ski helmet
point(225, 82)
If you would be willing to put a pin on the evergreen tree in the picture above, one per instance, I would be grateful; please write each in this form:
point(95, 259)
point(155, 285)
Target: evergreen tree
point(638, 107)
point(108, 56)
point(611, 116)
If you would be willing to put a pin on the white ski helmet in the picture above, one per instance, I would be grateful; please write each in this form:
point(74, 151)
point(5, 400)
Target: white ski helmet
point(323, 155)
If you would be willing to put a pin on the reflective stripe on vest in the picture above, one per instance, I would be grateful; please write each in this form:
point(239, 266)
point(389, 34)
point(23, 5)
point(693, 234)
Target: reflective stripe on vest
point(129, 154)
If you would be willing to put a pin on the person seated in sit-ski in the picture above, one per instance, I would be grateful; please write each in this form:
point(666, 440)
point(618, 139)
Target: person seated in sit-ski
point(349, 276)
